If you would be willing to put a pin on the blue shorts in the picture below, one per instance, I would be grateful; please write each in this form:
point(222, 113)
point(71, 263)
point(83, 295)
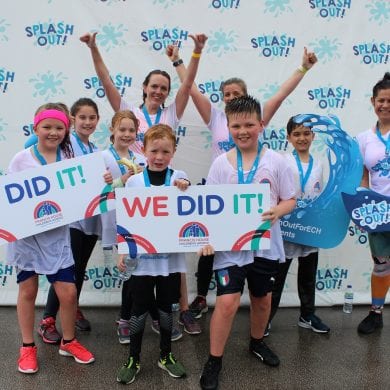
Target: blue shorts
point(63, 275)
point(260, 276)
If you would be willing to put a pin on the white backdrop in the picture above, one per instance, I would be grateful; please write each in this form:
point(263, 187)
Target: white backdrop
point(260, 41)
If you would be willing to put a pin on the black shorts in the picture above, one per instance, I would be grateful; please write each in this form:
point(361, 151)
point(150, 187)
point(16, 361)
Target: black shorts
point(164, 290)
point(260, 276)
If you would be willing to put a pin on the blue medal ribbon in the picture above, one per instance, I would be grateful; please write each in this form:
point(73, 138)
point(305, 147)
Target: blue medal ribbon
point(41, 159)
point(117, 158)
point(82, 145)
point(303, 178)
point(252, 171)
point(147, 116)
point(167, 181)
point(385, 142)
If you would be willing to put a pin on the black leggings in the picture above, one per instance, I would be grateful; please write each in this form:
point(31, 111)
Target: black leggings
point(82, 246)
point(204, 274)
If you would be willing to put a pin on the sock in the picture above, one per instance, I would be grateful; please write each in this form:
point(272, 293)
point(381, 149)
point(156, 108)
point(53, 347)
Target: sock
point(67, 341)
point(253, 340)
point(29, 344)
point(216, 359)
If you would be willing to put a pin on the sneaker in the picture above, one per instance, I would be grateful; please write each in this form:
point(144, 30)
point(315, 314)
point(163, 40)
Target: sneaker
point(48, 331)
point(128, 371)
point(172, 366)
point(209, 378)
point(190, 325)
point(79, 353)
point(314, 323)
point(262, 351)
point(372, 322)
point(198, 307)
point(81, 322)
point(176, 333)
point(27, 362)
point(267, 330)
point(123, 332)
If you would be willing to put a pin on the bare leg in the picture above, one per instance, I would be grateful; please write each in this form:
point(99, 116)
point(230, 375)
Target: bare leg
point(260, 311)
point(183, 293)
point(67, 295)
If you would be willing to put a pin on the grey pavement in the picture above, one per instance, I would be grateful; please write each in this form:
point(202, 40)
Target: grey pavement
point(343, 359)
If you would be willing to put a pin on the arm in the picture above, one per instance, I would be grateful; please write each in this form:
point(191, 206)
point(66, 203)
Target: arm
point(282, 208)
point(202, 103)
point(273, 104)
point(102, 72)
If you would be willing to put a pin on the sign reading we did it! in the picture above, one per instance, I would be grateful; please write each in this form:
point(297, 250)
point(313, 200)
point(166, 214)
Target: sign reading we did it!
point(40, 199)
point(165, 220)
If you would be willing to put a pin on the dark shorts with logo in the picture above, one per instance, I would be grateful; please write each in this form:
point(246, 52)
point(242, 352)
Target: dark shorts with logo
point(260, 276)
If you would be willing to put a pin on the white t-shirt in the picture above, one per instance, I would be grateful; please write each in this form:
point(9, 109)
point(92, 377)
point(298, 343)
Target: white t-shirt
point(272, 169)
point(90, 225)
point(221, 142)
point(109, 219)
point(160, 264)
point(44, 253)
point(313, 188)
point(375, 160)
point(168, 117)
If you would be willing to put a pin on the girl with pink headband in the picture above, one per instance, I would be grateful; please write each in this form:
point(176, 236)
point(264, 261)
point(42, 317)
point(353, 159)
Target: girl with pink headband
point(48, 253)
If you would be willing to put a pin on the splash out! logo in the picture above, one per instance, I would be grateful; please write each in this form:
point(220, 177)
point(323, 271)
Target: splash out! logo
point(372, 53)
point(274, 139)
point(331, 278)
point(160, 38)
point(362, 237)
point(47, 213)
point(273, 45)
point(218, 4)
point(330, 97)
point(193, 233)
point(120, 80)
point(330, 8)
point(7, 77)
point(50, 34)
point(212, 89)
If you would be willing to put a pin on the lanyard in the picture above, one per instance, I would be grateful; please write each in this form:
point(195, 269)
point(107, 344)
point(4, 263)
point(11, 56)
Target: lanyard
point(303, 178)
point(386, 143)
point(147, 116)
point(117, 158)
point(41, 159)
point(252, 171)
point(147, 179)
point(82, 145)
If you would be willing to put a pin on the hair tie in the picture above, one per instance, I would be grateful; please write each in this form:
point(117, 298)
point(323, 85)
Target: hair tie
point(52, 114)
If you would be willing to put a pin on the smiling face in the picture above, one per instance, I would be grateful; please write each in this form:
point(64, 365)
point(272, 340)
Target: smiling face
point(156, 90)
point(301, 138)
point(232, 91)
point(85, 122)
point(50, 133)
point(159, 153)
point(245, 129)
point(381, 104)
point(124, 133)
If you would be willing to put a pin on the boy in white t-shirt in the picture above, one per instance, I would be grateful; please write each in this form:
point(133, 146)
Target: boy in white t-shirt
point(247, 163)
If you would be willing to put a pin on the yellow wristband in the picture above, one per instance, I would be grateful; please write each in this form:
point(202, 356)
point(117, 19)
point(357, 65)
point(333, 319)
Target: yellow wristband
point(196, 55)
point(302, 69)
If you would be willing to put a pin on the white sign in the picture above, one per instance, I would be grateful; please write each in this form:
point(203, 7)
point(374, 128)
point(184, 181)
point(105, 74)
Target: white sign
point(36, 200)
point(164, 219)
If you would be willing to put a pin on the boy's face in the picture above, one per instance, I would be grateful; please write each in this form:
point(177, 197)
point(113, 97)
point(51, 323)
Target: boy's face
point(245, 129)
point(301, 138)
point(159, 153)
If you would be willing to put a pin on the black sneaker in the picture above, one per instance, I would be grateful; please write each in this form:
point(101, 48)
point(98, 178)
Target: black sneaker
point(261, 350)
point(267, 330)
point(198, 307)
point(209, 378)
point(372, 322)
point(314, 323)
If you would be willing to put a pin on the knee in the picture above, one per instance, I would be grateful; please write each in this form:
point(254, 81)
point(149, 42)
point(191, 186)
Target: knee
point(227, 309)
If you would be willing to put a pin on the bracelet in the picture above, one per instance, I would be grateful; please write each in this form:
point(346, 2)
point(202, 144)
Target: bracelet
point(177, 62)
point(302, 69)
point(196, 55)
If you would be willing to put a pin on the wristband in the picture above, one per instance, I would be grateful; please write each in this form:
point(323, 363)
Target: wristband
point(302, 69)
point(196, 55)
point(177, 62)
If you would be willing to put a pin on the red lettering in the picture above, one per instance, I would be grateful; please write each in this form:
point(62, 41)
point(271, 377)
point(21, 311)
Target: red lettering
point(137, 204)
point(157, 205)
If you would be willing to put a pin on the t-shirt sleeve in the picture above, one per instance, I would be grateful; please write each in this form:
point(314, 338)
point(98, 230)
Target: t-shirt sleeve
point(126, 106)
point(214, 175)
point(170, 117)
point(287, 188)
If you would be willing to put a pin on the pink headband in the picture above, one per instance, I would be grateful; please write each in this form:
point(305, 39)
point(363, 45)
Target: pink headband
point(52, 114)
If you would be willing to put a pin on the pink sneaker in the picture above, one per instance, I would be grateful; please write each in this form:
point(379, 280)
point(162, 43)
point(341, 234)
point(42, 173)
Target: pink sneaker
point(79, 353)
point(27, 362)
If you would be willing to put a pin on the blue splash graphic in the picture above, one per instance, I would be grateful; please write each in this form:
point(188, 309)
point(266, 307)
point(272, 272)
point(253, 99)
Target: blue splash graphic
point(3, 126)
point(379, 11)
point(208, 138)
point(221, 42)
point(324, 222)
point(277, 7)
point(48, 85)
point(270, 90)
point(326, 49)
point(3, 29)
point(167, 3)
point(101, 136)
point(111, 36)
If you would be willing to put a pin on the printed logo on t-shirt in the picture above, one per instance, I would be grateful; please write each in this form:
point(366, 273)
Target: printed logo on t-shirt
point(317, 187)
point(223, 277)
point(383, 167)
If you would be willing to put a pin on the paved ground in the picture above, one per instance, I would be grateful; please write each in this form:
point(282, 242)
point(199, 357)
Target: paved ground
point(341, 360)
